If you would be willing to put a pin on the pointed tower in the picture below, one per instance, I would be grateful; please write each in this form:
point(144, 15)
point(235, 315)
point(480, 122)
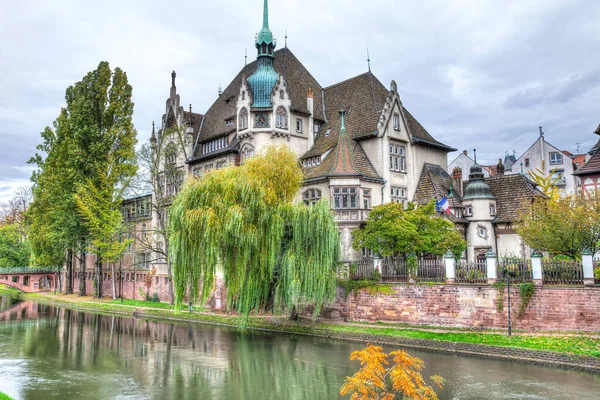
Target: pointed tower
point(343, 160)
point(264, 78)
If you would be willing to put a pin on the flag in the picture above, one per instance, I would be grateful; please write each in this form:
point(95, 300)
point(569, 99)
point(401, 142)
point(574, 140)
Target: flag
point(443, 205)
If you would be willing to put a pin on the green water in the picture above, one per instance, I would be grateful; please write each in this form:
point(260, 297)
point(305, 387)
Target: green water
point(54, 353)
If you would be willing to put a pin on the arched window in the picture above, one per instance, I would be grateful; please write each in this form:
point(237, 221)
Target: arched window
point(243, 119)
point(281, 119)
point(247, 152)
point(311, 196)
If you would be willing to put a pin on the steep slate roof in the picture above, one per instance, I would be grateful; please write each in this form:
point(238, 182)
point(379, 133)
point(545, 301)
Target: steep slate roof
point(298, 81)
point(195, 118)
point(435, 182)
point(514, 194)
point(592, 166)
point(363, 98)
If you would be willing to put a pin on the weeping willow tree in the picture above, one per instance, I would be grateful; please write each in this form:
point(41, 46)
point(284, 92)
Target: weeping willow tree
point(242, 221)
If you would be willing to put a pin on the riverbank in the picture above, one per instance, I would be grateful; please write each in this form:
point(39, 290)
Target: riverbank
point(581, 351)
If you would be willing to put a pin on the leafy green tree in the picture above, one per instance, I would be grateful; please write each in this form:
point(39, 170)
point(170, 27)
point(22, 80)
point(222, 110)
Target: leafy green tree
point(236, 218)
point(410, 232)
point(92, 138)
point(101, 114)
point(563, 225)
point(15, 250)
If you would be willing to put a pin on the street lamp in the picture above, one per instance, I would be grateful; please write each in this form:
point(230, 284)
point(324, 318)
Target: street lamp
point(507, 274)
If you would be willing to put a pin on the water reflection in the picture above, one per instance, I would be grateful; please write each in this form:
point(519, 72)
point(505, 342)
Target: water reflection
point(49, 352)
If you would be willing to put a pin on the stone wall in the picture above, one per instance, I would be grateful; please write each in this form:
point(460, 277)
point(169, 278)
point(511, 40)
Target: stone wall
point(551, 308)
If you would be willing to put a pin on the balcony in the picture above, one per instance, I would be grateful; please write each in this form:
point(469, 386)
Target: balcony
point(351, 215)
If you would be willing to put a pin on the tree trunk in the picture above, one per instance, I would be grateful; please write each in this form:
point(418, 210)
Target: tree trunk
point(169, 271)
point(82, 290)
point(98, 291)
point(294, 314)
point(114, 282)
point(69, 273)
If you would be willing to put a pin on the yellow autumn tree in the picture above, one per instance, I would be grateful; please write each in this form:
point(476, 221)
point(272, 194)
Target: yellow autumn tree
point(377, 379)
point(546, 183)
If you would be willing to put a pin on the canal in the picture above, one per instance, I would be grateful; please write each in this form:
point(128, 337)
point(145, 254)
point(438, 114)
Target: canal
point(48, 352)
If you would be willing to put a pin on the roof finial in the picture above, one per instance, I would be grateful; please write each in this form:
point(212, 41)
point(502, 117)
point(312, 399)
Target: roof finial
point(173, 75)
point(220, 89)
point(285, 38)
point(152, 126)
point(246, 57)
point(475, 155)
point(266, 15)
point(368, 60)
point(342, 115)
point(522, 172)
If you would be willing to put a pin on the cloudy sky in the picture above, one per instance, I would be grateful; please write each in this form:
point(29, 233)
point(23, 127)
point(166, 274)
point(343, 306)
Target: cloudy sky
point(475, 73)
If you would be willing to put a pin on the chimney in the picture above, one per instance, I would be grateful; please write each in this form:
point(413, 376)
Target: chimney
point(465, 153)
point(311, 121)
point(190, 124)
point(457, 181)
point(500, 168)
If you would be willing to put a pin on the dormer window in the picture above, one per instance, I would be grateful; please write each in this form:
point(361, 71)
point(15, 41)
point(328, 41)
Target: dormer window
point(281, 118)
point(229, 122)
point(316, 127)
point(328, 131)
point(311, 162)
point(228, 100)
point(214, 145)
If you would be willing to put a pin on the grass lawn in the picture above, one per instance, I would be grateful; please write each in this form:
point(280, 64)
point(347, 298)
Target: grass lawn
point(5, 396)
point(8, 291)
point(140, 303)
point(561, 344)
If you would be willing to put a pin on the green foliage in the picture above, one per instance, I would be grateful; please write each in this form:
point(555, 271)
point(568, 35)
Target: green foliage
point(4, 396)
point(90, 147)
point(597, 273)
point(417, 230)
point(243, 220)
point(499, 286)
point(15, 250)
point(526, 291)
point(563, 225)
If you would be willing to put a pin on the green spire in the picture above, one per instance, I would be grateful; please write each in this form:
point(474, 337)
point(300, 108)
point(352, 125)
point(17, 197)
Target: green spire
point(266, 15)
point(264, 40)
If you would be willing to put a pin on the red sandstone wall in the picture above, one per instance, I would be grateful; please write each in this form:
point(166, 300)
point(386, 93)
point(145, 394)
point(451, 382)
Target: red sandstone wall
point(564, 309)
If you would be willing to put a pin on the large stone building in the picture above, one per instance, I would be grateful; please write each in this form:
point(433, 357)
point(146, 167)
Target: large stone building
point(357, 143)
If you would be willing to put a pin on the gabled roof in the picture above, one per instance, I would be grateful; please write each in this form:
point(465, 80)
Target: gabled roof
point(514, 194)
point(298, 81)
point(435, 182)
point(363, 98)
point(592, 166)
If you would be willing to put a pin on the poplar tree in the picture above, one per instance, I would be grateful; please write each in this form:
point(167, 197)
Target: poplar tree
point(101, 113)
point(90, 148)
point(243, 222)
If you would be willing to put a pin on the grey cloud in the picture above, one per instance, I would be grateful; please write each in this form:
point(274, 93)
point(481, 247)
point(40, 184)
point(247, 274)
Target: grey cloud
point(516, 65)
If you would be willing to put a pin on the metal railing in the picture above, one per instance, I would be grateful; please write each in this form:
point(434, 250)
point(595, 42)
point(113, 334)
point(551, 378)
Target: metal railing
point(562, 273)
point(394, 270)
point(431, 271)
point(362, 269)
point(471, 272)
point(521, 269)
point(26, 270)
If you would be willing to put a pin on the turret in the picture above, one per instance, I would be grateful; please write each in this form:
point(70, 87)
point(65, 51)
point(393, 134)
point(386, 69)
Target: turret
point(264, 78)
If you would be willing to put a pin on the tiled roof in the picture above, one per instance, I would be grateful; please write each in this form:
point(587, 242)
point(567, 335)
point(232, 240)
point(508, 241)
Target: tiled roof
point(196, 119)
point(362, 97)
point(514, 193)
point(298, 80)
point(435, 182)
point(592, 166)
point(578, 161)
